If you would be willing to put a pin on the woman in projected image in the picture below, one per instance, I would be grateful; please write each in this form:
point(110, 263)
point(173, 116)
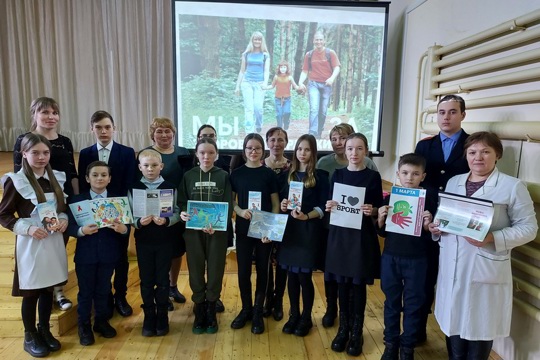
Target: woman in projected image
point(252, 78)
point(474, 286)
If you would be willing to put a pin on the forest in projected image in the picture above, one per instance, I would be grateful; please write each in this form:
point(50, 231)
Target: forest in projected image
point(211, 39)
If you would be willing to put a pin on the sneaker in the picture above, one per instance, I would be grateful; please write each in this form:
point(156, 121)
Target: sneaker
point(170, 306)
point(63, 302)
point(219, 306)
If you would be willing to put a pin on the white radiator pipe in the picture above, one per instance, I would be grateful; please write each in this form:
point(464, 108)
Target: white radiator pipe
point(512, 25)
point(530, 56)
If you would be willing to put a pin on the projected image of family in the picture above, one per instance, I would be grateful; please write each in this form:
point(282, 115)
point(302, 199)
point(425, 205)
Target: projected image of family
point(245, 75)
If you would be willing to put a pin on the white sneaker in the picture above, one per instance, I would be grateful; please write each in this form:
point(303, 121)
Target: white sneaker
point(63, 302)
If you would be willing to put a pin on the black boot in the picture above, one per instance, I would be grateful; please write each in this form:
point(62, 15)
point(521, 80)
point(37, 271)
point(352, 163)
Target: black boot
point(211, 319)
point(304, 325)
point(149, 322)
point(277, 312)
point(391, 352)
point(357, 340)
point(199, 325)
point(34, 344)
point(257, 322)
point(48, 338)
point(340, 341)
point(245, 315)
point(406, 353)
point(162, 320)
point(330, 288)
point(294, 318)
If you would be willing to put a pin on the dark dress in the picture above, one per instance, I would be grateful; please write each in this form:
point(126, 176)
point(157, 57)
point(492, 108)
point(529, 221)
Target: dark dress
point(61, 159)
point(302, 241)
point(351, 254)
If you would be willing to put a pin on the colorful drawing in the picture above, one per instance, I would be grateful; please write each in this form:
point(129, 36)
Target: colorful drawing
point(207, 213)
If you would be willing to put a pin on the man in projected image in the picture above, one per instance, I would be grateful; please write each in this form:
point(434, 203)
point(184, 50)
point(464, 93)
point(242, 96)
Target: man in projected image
point(321, 67)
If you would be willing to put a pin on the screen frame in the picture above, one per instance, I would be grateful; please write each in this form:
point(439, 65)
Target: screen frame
point(320, 5)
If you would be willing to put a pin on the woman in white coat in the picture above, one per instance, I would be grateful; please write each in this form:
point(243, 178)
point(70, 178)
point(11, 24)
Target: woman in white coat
point(474, 286)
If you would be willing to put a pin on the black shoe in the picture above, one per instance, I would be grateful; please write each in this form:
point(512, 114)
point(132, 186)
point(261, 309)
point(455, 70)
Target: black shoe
point(242, 318)
point(170, 306)
point(176, 295)
point(123, 307)
point(303, 327)
point(277, 312)
point(86, 336)
point(149, 321)
point(105, 329)
point(211, 319)
point(34, 344)
point(52, 343)
point(219, 306)
point(290, 326)
point(329, 317)
point(257, 322)
point(406, 353)
point(391, 352)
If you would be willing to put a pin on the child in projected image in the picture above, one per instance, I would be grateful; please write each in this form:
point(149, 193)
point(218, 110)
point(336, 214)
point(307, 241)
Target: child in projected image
point(282, 82)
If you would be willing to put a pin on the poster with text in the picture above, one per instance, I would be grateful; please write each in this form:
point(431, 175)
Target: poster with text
point(405, 213)
point(158, 202)
point(102, 212)
point(464, 216)
point(348, 213)
point(295, 195)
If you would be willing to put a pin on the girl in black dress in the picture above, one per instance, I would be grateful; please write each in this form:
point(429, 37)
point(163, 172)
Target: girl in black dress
point(252, 180)
point(353, 256)
point(302, 239)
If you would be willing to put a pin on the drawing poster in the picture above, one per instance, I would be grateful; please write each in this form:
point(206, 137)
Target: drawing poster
point(348, 213)
point(206, 213)
point(295, 195)
point(102, 212)
point(406, 209)
point(267, 224)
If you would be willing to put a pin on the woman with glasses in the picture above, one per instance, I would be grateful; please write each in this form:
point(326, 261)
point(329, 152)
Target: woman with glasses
point(248, 182)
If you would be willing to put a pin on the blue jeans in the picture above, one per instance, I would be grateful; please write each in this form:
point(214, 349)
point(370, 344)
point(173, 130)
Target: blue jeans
point(319, 98)
point(253, 97)
point(402, 281)
point(283, 111)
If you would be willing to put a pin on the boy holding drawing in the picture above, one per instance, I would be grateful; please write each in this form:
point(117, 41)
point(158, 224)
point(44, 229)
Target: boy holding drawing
point(96, 254)
point(404, 260)
point(206, 248)
point(154, 241)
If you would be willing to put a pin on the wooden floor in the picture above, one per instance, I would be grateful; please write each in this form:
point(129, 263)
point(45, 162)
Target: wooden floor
point(181, 343)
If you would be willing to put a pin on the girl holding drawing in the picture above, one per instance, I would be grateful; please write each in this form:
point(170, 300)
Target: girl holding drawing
point(252, 180)
point(205, 248)
point(353, 256)
point(302, 239)
point(40, 261)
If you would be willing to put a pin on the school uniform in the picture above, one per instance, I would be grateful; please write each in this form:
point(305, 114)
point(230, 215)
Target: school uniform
point(121, 160)
point(95, 258)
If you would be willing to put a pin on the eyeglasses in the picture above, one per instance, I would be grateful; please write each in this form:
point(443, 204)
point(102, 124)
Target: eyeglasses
point(254, 149)
point(211, 136)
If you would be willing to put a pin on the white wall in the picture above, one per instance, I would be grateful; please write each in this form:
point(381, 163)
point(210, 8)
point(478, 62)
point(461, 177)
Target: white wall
point(444, 22)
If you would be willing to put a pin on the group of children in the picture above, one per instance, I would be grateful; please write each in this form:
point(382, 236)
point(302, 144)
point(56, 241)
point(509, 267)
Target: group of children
point(349, 257)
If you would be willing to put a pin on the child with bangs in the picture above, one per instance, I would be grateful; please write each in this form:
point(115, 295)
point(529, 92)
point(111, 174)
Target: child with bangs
point(282, 82)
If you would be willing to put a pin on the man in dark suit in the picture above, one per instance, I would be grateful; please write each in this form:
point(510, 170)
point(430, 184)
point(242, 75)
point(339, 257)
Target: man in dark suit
point(444, 159)
point(121, 160)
